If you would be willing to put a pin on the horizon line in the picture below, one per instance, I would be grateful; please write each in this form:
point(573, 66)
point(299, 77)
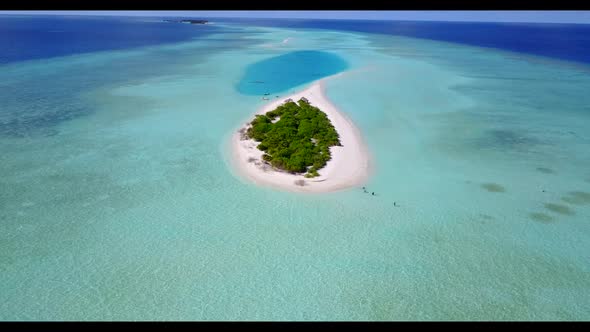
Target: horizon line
point(580, 19)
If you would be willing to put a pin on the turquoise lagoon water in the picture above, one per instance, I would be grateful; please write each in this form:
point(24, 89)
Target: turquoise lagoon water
point(279, 73)
point(118, 200)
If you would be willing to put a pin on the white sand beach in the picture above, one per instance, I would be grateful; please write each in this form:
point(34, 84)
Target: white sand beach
point(349, 166)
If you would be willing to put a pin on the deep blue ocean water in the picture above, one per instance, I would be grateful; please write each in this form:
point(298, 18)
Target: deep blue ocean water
point(280, 73)
point(570, 42)
point(39, 37)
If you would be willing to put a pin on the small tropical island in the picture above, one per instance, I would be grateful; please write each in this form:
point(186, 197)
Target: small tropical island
point(296, 137)
point(188, 21)
point(304, 146)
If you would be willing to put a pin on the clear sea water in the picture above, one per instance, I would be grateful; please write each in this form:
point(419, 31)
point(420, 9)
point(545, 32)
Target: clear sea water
point(118, 201)
point(292, 69)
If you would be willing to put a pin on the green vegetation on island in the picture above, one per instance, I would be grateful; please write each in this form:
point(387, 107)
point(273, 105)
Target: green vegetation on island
point(299, 141)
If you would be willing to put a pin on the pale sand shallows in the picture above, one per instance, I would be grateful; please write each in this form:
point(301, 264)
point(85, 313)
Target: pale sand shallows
point(349, 166)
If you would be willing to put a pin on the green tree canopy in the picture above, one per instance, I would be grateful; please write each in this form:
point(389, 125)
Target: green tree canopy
point(296, 137)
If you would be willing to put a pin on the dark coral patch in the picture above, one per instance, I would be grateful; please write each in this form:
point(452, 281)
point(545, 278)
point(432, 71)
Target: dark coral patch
point(577, 198)
point(493, 187)
point(545, 170)
point(558, 208)
point(541, 217)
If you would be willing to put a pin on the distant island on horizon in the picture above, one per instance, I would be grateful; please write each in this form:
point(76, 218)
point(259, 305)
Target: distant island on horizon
point(188, 21)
